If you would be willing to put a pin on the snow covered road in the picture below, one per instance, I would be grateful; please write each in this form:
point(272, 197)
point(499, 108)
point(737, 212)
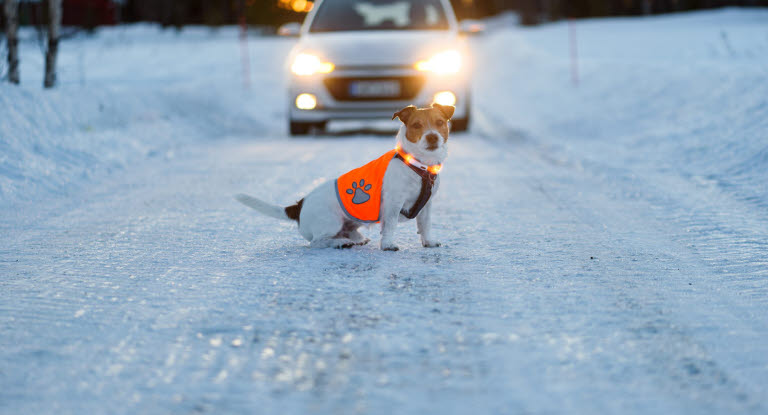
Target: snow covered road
point(159, 293)
point(578, 274)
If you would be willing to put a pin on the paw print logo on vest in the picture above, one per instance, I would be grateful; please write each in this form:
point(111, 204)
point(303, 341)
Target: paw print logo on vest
point(359, 192)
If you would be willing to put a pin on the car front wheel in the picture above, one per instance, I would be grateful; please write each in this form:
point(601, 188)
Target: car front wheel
point(304, 128)
point(460, 124)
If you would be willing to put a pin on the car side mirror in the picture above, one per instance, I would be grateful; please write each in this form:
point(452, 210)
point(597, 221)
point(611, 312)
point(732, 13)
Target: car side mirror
point(292, 29)
point(471, 27)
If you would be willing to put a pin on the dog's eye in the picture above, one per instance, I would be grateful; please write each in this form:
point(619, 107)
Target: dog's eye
point(416, 125)
point(440, 123)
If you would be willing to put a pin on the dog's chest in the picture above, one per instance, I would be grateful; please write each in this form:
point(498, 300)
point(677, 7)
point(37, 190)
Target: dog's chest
point(404, 187)
point(411, 191)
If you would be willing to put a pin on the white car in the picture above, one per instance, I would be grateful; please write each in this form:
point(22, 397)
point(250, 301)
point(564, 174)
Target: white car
point(366, 59)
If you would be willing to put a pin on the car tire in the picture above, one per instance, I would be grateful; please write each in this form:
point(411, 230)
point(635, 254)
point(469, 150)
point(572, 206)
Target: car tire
point(304, 128)
point(460, 124)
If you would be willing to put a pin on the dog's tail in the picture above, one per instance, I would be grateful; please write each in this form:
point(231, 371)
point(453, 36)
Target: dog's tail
point(288, 213)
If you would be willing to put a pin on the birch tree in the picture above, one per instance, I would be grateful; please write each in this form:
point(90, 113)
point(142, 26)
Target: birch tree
point(54, 29)
point(11, 34)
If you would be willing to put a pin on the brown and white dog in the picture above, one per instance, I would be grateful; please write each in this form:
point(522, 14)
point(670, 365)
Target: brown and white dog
point(421, 143)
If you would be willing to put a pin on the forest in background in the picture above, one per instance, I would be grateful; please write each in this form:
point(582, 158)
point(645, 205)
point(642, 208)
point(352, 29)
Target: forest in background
point(272, 13)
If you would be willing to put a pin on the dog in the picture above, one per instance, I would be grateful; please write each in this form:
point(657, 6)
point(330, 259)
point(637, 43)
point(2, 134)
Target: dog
point(396, 187)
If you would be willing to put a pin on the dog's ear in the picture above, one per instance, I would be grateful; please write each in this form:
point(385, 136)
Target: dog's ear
point(446, 110)
point(404, 113)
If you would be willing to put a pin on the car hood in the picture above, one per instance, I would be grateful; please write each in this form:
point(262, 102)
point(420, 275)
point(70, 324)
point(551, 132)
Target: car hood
point(376, 48)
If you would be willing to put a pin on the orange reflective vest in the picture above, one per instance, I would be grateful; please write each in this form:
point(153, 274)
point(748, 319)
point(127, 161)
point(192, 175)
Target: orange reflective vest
point(359, 190)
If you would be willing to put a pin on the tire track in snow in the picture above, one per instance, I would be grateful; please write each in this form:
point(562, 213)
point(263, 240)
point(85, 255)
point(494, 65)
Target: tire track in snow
point(508, 316)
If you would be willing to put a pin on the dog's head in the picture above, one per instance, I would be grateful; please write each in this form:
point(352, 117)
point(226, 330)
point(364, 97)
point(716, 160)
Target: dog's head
point(425, 131)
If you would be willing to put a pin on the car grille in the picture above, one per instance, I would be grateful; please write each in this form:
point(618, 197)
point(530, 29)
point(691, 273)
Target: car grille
point(409, 87)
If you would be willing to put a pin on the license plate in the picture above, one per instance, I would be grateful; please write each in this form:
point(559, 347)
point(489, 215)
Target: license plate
point(362, 89)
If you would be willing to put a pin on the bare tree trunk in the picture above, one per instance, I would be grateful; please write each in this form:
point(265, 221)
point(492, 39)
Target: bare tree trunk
point(54, 28)
point(647, 6)
point(11, 33)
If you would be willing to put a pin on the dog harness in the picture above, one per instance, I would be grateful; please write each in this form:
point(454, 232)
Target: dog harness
point(359, 190)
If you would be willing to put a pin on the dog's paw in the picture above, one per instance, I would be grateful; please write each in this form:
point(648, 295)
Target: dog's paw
point(389, 248)
point(431, 244)
point(341, 243)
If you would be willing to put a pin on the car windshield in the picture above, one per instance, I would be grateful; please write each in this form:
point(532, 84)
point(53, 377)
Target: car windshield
point(345, 15)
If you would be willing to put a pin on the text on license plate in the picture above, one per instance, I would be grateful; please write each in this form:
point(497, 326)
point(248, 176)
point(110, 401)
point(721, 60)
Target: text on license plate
point(374, 88)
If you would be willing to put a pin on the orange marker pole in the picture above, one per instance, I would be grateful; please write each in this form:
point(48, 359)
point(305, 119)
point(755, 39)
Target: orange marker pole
point(574, 51)
point(245, 58)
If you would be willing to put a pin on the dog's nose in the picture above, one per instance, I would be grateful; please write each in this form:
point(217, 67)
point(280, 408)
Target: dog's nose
point(432, 138)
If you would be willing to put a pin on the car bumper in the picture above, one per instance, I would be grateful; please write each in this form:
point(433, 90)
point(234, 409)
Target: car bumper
point(333, 107)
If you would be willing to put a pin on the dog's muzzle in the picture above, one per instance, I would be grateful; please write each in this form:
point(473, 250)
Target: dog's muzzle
point(433, 141)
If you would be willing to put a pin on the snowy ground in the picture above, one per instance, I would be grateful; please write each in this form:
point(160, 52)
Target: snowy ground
point(604, 245)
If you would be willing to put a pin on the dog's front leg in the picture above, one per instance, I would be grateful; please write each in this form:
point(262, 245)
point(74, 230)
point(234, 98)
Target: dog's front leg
point(389, 218)
point(424, 225)
point(388, 226)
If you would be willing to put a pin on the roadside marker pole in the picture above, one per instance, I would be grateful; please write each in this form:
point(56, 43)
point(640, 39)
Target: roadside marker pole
point(574, 51)
point(245, 58)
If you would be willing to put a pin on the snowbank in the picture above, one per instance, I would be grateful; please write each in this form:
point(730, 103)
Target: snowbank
point(683, 95)
point(128, 94)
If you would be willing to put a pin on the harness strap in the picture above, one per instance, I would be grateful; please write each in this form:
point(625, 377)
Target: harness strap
point(427, 182)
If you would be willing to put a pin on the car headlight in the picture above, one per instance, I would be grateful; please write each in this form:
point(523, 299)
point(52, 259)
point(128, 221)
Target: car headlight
point(442, 63)
point(307, 64)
